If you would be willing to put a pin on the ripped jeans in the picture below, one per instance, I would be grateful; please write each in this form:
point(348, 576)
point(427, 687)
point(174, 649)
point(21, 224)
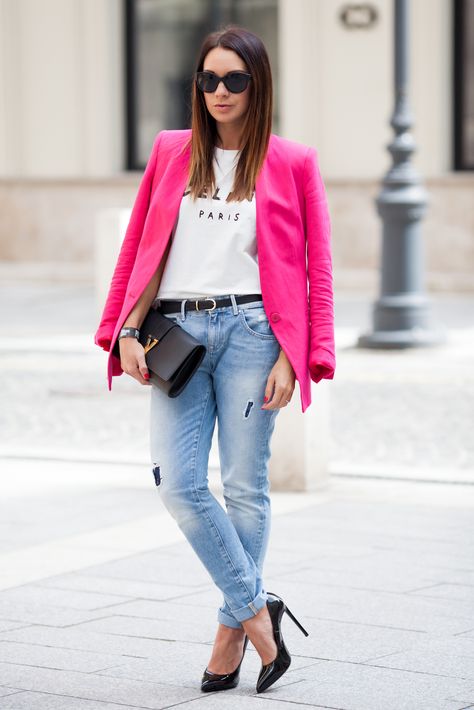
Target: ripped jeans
point(230, 385)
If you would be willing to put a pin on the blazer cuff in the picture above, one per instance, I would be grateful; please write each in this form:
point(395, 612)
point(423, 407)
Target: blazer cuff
point(321, 366)
point(102, 340)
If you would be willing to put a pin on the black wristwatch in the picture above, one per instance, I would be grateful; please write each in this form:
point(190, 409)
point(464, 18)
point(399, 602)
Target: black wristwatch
point(129, 332)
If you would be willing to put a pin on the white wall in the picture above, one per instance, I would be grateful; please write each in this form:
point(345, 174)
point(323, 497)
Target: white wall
point(61, 86)
point(61, 77)
point(337, 89)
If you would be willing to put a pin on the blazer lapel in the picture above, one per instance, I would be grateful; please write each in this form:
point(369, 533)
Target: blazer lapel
point(166, 199)
point(262, 207)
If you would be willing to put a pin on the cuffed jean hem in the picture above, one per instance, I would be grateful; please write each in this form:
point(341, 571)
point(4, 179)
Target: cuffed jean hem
point(244, 613)
point(227, 620)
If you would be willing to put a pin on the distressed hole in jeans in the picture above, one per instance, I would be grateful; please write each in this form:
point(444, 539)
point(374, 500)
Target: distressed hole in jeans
point(157, 474)
point(248, 408)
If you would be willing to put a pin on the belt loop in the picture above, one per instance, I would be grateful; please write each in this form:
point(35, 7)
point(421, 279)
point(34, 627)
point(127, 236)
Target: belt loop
point(183, 309)
point(235, 310)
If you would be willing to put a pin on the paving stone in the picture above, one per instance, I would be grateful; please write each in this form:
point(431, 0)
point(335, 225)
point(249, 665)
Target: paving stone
point(154, 567)
point(464, 696)
point(348, 641)
point(419, 435)
point(446, 590)
point(403, 521)
point(209, 599)
point(332, 555)
point(362, 687)
point(79, 639)
point(76, 504)
point(389, 578)
point(456, 576)
point(48, 615)
point(29, 594)
point(200, 629)
point(91, 686)
point(25, 700)
point(235, 700)
point(467, 634)
point(354, 643)
point(57, 658)
point(6, 625)
point(152, 609)
point(179, 665)
point(160, 591)
point(448, 657)
point(4, 691)
point(403, 611)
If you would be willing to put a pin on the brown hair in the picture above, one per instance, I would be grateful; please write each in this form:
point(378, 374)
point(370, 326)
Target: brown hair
point(258, 119)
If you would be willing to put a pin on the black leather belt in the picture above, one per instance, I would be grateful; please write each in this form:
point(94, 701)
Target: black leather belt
point(204, 304)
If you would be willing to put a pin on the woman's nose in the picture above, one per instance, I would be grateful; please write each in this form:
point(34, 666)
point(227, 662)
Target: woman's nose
point(221, 88)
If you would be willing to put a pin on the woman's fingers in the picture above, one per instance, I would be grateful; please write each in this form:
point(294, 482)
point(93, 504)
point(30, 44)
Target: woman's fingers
point(143, 369)
point(132, 360)
point(268, 391)
point(282, 394)
point(143, 379)
point(280, 383)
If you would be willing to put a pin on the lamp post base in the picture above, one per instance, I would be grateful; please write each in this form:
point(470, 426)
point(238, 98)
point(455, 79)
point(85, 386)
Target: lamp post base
point(398, 339)
point(402, 320)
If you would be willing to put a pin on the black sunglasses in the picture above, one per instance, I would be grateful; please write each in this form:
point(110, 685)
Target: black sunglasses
point(234, 81)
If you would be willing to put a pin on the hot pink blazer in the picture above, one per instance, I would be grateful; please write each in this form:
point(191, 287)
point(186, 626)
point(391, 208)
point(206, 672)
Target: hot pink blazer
point(293, 242)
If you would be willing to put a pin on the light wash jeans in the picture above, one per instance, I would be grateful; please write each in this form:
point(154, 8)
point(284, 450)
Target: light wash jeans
point(230, 385)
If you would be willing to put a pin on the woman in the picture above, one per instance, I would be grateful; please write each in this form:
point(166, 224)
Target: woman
point(217, 241)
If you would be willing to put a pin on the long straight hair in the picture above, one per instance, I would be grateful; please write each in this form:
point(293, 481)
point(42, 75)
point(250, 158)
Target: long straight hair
point(257, 124)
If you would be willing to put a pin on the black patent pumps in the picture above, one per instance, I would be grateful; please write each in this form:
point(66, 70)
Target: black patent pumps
point(270, 672)
point(216, 681)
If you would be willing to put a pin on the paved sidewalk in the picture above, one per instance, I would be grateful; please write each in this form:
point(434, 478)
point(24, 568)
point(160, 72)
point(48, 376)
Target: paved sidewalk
point(110, 608)
point(104, 605)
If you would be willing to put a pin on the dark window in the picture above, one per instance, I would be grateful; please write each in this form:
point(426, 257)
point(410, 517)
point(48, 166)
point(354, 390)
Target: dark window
point(463, 84)
point(162, 41)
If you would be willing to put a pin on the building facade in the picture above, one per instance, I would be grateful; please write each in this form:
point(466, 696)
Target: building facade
point(86, 84)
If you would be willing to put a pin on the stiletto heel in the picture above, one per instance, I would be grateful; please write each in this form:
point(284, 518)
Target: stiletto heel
point(296, 621)
point(292, 616)
point(222, 681)
point(270, 672)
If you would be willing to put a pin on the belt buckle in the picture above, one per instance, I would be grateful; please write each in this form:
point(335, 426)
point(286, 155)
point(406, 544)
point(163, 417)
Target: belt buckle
point(207, 298)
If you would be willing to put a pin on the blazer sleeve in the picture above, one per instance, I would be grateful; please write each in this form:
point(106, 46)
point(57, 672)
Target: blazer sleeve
point(322, 360)
point(127, 254)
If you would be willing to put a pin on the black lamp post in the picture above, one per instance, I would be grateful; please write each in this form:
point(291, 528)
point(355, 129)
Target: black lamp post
point(401, 315)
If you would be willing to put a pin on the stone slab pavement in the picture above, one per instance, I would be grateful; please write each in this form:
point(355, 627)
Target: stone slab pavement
point(103, 604)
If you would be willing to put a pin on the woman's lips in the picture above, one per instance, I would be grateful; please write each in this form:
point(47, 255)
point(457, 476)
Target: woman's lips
point(223, 107)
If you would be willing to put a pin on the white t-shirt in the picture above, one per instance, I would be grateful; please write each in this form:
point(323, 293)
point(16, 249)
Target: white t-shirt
point(214, 247)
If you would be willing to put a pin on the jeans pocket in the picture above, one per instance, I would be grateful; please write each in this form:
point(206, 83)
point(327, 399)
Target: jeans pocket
point(255, 322)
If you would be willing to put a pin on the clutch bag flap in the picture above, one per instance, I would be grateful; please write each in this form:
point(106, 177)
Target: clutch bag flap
point(172, 347)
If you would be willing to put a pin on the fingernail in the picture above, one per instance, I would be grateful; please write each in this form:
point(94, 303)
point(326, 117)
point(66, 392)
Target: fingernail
point(265, 399)
point(146, 376)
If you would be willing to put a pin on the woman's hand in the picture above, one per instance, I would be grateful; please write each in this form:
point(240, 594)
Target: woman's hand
point(132, 359)
point(280, 383)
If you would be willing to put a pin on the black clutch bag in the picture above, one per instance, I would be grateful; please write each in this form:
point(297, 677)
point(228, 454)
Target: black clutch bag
point(172, 355)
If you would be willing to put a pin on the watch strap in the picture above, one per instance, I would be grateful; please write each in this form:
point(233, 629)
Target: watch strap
point(128, 332)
